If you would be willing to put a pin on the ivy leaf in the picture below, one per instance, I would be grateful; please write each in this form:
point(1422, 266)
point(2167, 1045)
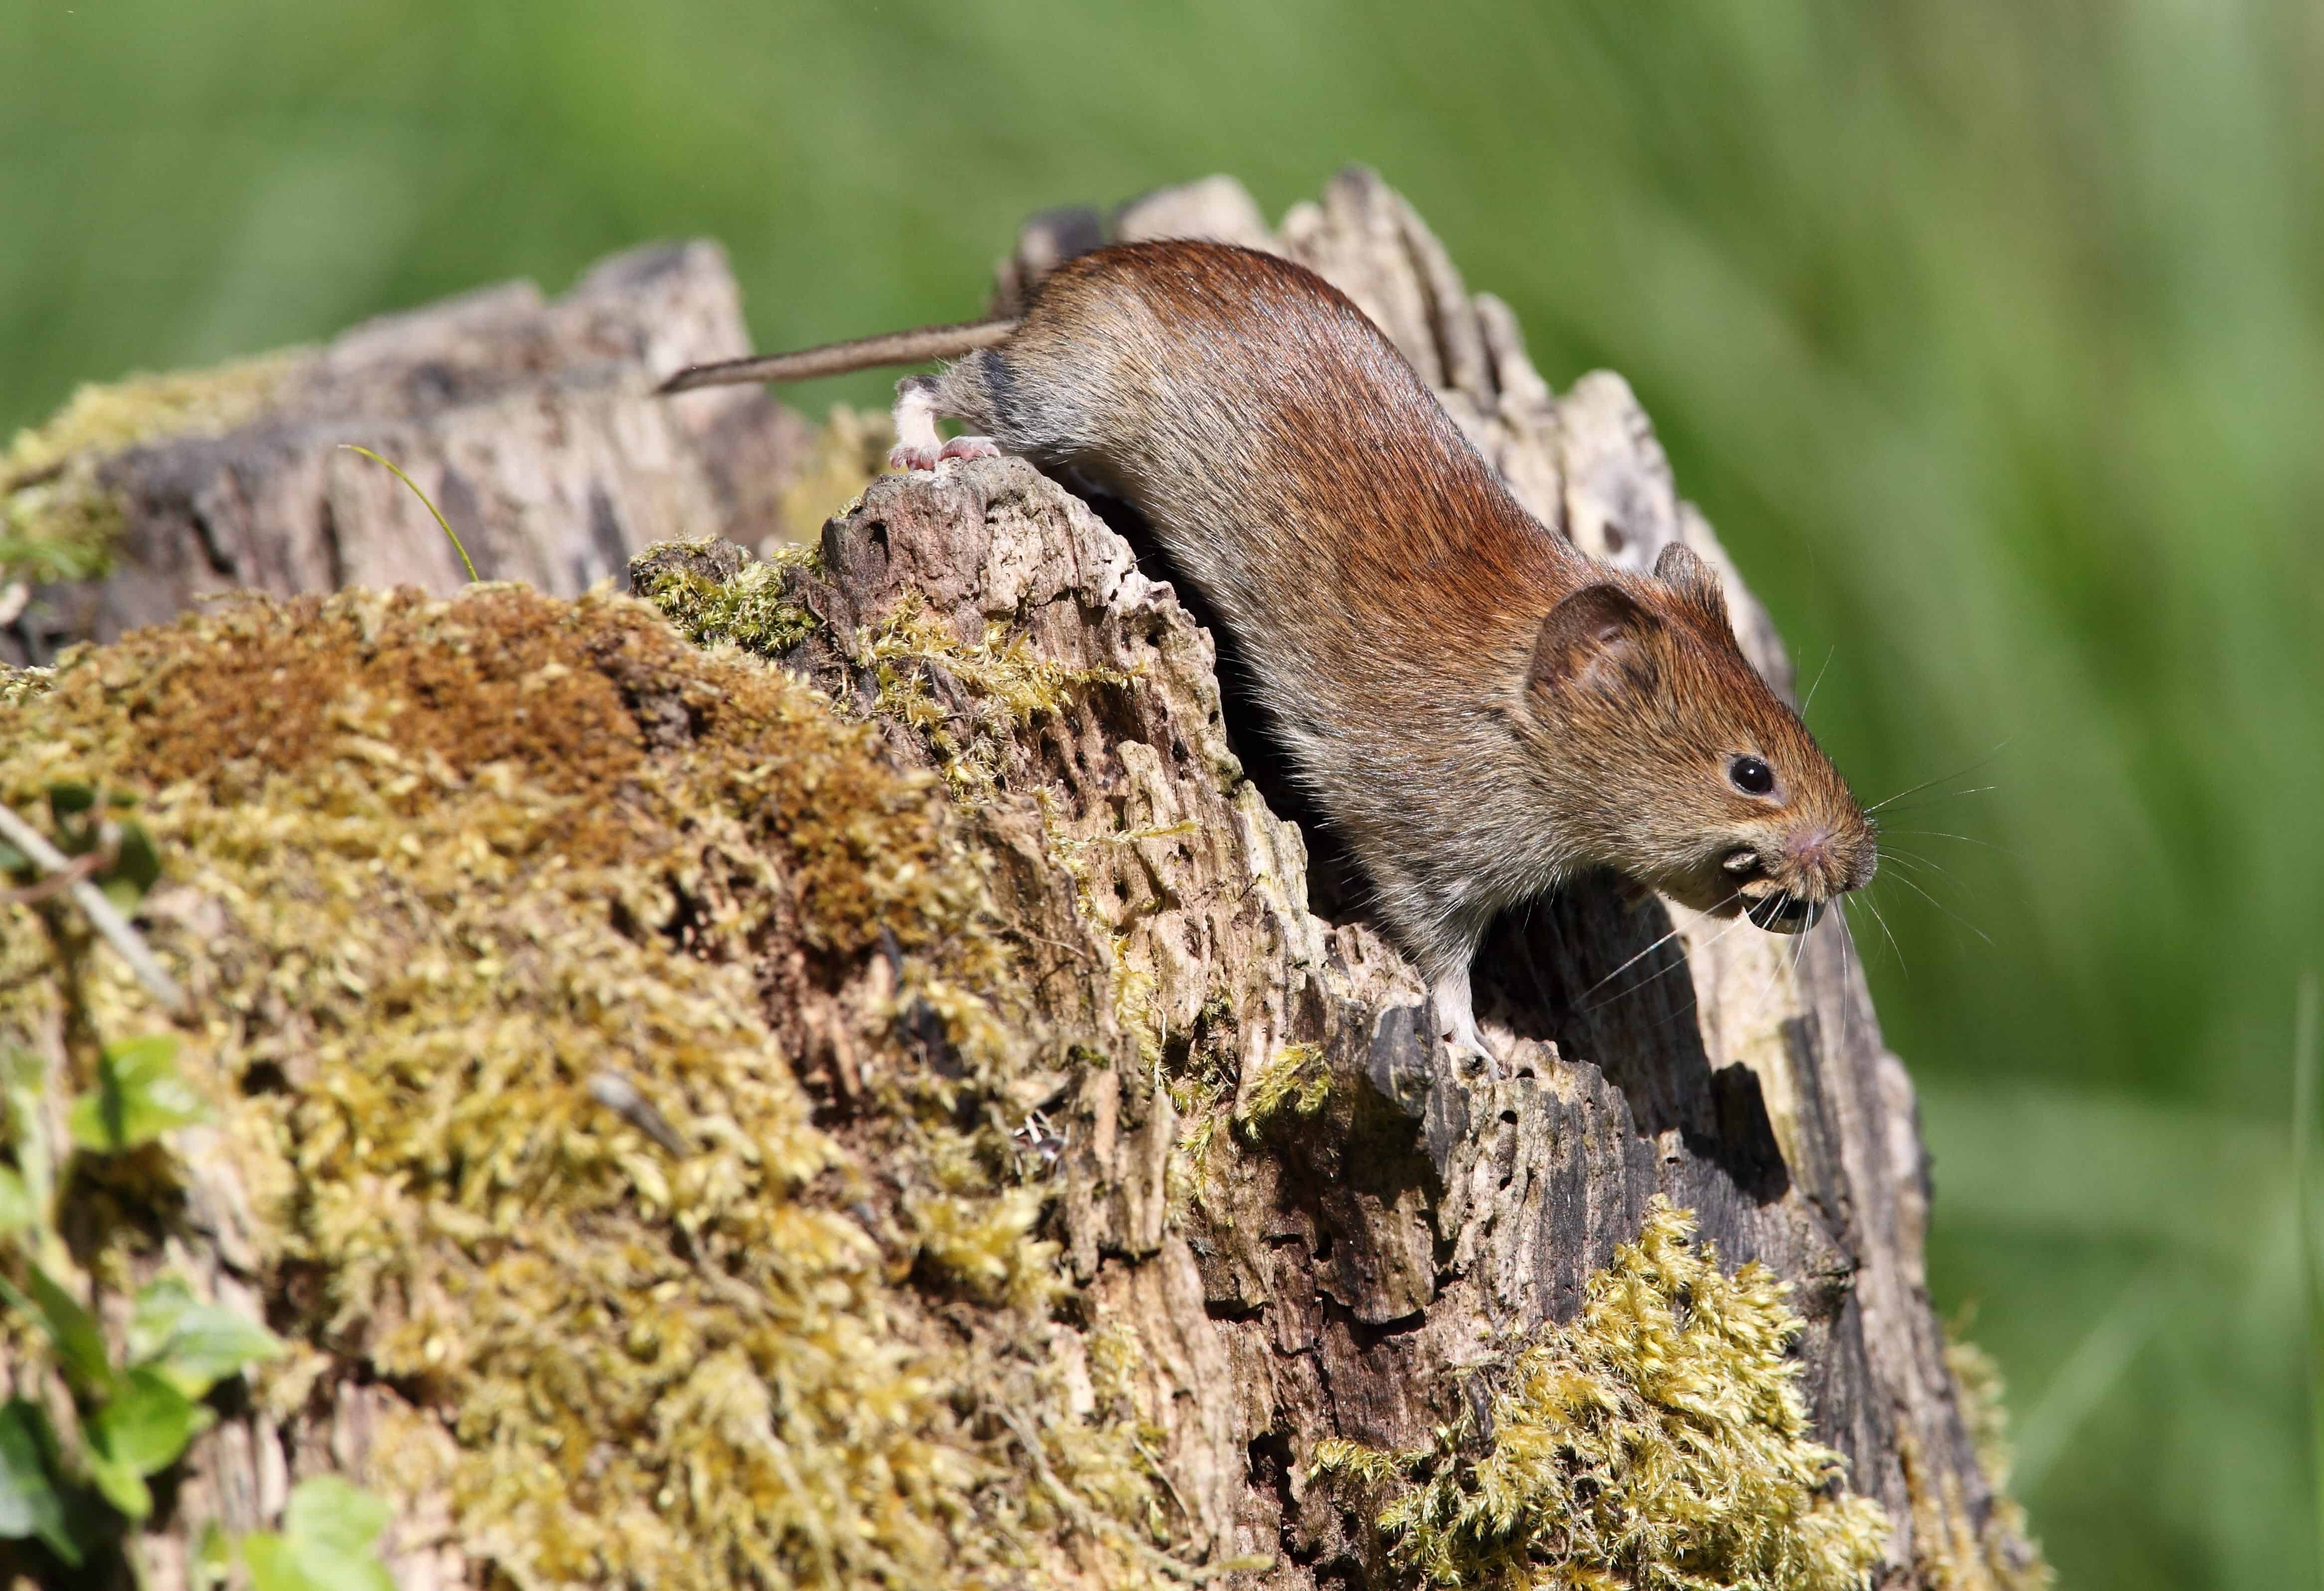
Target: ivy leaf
point(29, 1503)
point(139, 1096)
point(154, 1315)
point(145, 1426)
point(66, 801)
point(123, 1486)
point(325, 1544)
point(70, 1328)
point(191, 1346)
point(137, 866)
point(18, 1209)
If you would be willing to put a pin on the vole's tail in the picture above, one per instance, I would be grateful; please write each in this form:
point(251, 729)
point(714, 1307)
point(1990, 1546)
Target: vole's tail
point(867, 353)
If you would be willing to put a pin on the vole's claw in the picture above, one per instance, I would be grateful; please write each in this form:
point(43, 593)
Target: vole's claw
point(1463, 1048)
point(1456, 1022)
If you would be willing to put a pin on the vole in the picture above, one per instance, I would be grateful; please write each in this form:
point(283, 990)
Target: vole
point(1480, 710)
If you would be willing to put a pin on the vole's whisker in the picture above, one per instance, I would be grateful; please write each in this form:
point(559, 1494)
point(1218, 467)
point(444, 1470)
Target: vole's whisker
point(1948, 911)
point(1809, 700)
point(1904, 858)
point(1887, 933)
point(1663, 939)
point(1967, 839)
point(1939, 779)
point(1942, 795)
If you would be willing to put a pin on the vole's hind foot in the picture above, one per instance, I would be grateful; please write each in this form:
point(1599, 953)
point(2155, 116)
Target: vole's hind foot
point(970, 447)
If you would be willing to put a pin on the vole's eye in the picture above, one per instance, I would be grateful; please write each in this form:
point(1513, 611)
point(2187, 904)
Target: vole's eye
point(1751, 776)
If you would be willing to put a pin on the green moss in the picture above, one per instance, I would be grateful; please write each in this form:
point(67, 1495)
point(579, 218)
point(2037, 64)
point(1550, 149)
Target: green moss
point(753, 610)
point(18, 686)
point(58, 521)
point(430, 868)
point(1976, 1378)
point(1659, 1442)
point(1007, 682)
point(1294, 1078)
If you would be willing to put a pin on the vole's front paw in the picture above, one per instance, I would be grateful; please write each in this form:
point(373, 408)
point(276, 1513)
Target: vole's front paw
point(905, 458)
point(970, 447)
point(1468, 1047)
point(1474, 1058)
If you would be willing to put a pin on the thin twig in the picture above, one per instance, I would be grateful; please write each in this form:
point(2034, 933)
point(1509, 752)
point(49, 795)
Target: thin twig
point(56, 883)
point(100, 913)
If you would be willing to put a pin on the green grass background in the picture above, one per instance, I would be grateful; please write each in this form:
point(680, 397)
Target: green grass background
point(1990, 333)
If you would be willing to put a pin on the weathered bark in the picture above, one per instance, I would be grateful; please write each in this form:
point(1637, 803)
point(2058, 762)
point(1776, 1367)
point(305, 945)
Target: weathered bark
point(1261, 1279)
point(529, 422)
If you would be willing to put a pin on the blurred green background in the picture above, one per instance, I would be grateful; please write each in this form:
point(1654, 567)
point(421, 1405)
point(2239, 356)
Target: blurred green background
point(1990, 336)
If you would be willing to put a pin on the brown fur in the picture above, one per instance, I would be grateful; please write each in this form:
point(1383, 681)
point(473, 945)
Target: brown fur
point(1479, 709)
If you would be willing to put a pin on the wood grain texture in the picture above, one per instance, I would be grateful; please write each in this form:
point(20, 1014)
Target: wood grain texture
point(527, 421)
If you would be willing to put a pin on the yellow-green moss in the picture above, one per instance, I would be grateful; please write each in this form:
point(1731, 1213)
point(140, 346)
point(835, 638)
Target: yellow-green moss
point(57, 520)
point(754, 610)
point(430, 867)
point(1657, 1443)
point(1976, 1379)
point(18, 686)
point(1009, 684)
point(1294, 1078)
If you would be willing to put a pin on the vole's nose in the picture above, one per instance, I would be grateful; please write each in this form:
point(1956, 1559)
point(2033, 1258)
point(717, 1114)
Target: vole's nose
point(1836, 863)
point(1808, 851)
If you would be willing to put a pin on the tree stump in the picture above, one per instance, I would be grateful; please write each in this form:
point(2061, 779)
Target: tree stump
point(860, 1090)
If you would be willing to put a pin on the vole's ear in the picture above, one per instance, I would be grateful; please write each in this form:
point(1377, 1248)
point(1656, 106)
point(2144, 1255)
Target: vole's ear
point(1592, 638)
point(1683, 571)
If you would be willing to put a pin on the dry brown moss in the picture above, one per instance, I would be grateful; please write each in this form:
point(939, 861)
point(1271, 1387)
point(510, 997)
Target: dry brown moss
point(434, 866)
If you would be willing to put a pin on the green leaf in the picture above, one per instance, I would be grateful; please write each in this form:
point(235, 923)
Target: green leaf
point(123, 1486)
point(193, 1346)
point(18, 1208)
point(325, 1544)
point(29, 1503)
point(70, 1328)
point(147, 1425)
point(139, 1096)
point(213, 1557)
point(135, 868)
point(70, 804)
point(154, 1315)
point(330, 1513)
point(211, 1343)
point(13, 861)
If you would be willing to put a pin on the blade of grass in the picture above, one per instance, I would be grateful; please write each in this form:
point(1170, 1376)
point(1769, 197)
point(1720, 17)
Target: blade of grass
point(2089, 1374)
point(2304, 1127)
point(449, 534)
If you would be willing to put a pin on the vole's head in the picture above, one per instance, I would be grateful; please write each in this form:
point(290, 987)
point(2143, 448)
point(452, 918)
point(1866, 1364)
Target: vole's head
point(1687, 771)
